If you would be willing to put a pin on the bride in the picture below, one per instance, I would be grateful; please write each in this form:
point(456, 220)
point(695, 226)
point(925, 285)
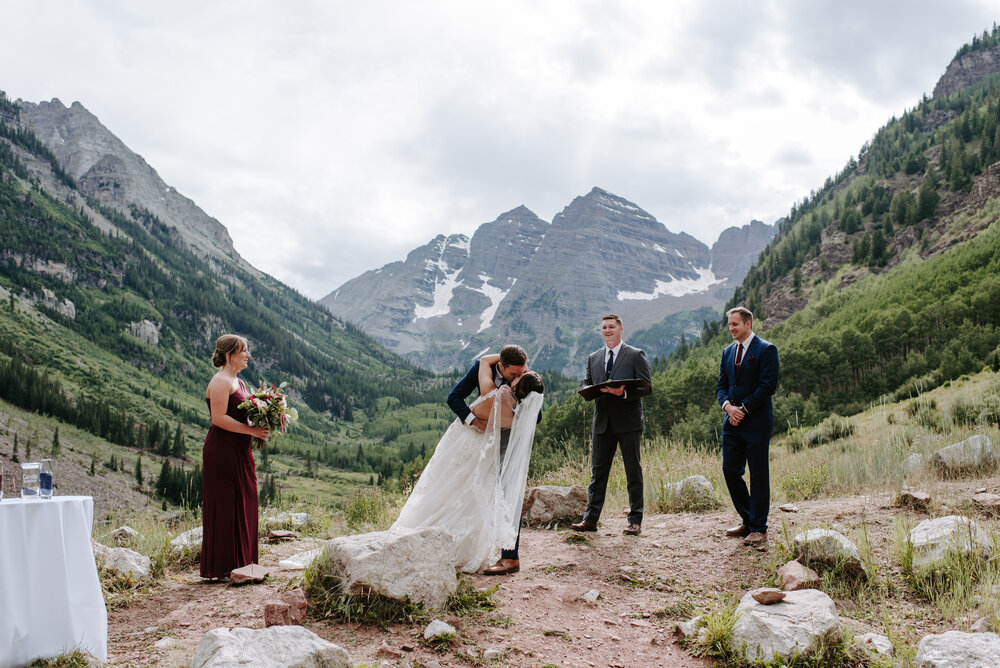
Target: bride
point(473, 485)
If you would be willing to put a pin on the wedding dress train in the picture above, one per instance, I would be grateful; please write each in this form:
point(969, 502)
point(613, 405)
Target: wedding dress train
point(469, 488)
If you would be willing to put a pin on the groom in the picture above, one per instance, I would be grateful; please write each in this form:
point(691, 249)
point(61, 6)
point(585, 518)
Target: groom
point(512, 365)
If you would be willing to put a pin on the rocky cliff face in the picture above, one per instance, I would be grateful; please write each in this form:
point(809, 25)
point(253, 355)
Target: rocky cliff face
point(968, 69)
point(105, 169)
point(544, 286)
point(730, 257)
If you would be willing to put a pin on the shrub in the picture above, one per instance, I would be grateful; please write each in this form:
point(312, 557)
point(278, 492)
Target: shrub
point(807, 483)
point(367, 508)
point(831, 429)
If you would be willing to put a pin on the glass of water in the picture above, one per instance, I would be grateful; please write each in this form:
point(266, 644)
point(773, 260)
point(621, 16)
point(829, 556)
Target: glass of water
point(45, 479)
point(29, 480)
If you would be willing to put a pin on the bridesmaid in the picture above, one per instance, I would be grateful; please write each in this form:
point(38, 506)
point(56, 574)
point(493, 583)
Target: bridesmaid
point(229, 490)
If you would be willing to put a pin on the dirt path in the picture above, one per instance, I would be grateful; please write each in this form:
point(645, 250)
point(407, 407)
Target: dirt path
point(646, 583)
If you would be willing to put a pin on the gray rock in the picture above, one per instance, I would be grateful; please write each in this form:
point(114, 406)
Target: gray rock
point(932, 540)
point(283, 519)
point(981, 625)
point(957, 649)
point(549, 503)
point(146, 331)
point(273, 647)
point(802, 623)
point(692, 492)
point(793, 576)
point(830, 548)
point(688, 629)
point(914, 498)
point(188, 541)
point(915, 464)
point(590, 596)
point(399, 563)
point(124, 535)
point(975, 452)
point(492, 654)
point(438, 628)
point(123, 560)
point(875, 643)
point(987, 501)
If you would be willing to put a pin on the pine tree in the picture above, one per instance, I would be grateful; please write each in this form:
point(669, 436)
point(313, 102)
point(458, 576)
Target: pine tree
point(138, 472)
point(13, 455)
point(178, 448)
point(93, 463)
point(55, 443)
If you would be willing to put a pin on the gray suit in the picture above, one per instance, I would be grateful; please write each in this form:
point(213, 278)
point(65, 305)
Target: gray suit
point(618, 421)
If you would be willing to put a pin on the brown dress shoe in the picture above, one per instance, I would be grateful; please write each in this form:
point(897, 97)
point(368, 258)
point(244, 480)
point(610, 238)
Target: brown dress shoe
point(632, 530)
point(738, 531)
point(585, 525)
point(503, 567)
point(755, 538)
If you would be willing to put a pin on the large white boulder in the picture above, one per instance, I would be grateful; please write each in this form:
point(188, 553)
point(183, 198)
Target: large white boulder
point(802, 623)
point(123, 560)
point(957, 649)
point(549, 503)
point(189, 541)
point(932, 540)
point(399, 563)
point(975, 452)
point(829, 548)
point(275, 646)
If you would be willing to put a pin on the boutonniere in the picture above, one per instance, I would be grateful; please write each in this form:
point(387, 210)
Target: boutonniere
point(750, 358)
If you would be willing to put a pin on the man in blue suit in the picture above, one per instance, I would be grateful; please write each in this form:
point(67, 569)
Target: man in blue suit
point(748, 377)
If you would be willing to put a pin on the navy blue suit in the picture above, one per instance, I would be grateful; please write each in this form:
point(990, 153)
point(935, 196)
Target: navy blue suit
point(746, 444)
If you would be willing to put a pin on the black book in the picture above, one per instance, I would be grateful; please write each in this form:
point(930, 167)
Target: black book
point(589, 392)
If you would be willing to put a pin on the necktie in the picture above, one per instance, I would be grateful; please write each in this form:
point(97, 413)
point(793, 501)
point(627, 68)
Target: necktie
point(611, 363)
point(739, 356)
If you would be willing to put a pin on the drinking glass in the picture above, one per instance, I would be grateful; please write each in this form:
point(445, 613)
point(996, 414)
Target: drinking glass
point(29, 480)
point(45, 479)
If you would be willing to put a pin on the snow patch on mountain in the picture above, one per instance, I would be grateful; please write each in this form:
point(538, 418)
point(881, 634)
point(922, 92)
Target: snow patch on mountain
point(677, 287)
point(496, 296)
point(443, 291)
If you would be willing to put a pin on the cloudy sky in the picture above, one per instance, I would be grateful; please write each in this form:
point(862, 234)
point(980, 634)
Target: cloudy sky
point(332, 137)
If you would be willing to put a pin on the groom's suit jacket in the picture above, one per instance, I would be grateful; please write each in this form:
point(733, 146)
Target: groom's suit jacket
point(752, 387)
point(466, 387)
point(611, 413)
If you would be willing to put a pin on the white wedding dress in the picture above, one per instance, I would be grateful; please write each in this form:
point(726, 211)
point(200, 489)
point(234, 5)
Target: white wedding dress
point(469, 490)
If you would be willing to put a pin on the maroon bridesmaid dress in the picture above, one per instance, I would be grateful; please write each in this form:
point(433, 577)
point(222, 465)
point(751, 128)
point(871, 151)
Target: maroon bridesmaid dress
point(229, 496)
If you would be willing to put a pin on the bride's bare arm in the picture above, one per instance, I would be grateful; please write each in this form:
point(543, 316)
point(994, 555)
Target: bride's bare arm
point(486, 363)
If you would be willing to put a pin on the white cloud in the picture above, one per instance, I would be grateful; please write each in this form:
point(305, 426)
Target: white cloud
point(333, 137)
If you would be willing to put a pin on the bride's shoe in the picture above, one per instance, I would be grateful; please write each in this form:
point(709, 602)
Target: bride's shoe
point(503, 567)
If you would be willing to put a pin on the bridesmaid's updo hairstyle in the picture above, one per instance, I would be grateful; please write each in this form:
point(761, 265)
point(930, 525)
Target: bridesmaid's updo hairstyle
point(530, 382)
point(225, 345)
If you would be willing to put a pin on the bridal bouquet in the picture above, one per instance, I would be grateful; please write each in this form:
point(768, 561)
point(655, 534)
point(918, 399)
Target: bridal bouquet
point(268, 408)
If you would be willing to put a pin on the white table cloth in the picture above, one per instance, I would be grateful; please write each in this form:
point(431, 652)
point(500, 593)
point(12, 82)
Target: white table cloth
point(50, 596)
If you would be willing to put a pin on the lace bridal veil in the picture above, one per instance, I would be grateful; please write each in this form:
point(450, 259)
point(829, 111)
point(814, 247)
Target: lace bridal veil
point(472, 490)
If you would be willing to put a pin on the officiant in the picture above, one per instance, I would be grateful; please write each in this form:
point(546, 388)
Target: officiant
point(618, 422)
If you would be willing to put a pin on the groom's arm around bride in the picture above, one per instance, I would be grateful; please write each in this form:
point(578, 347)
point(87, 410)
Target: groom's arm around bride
point(512, 364)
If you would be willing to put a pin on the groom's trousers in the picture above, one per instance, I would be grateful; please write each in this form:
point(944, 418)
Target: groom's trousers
point(508, 554)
